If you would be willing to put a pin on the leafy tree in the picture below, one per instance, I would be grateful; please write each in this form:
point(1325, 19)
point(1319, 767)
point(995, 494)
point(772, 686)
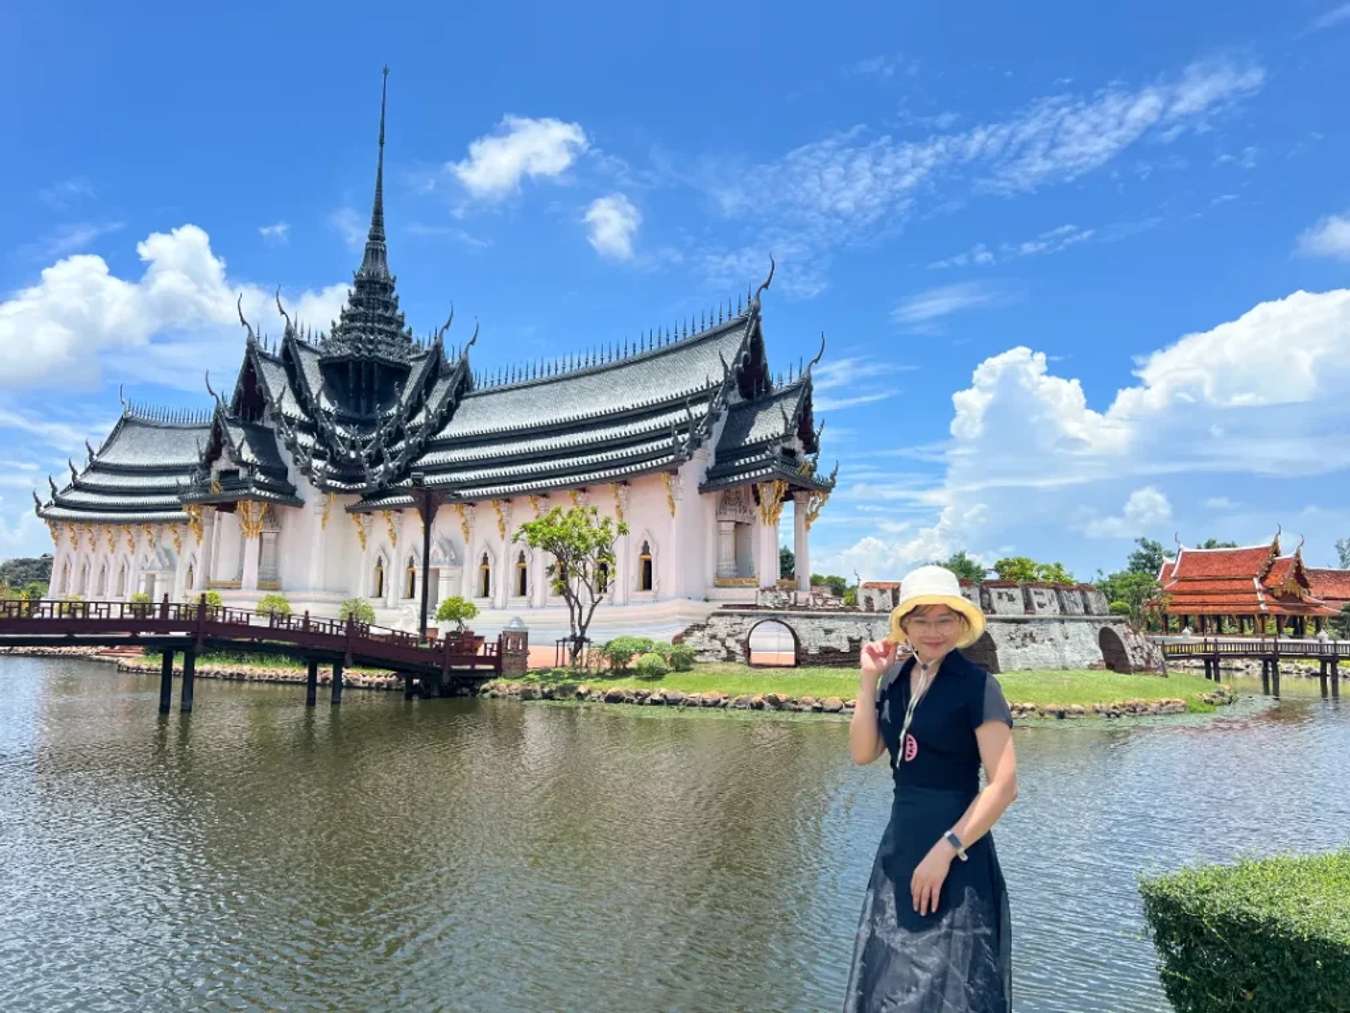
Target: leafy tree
point(1343, 551)
point(1214, 543)
point(1053, 573)
point(964, 567)
point(578, 540)
point(358, 609)
point(34, 590)
point(1021, 568)
point(273, 605)
point(1148, 558)
point(1137, 593)
point(851, 596)
point(837, 584)
point(456, 610)
point(787, 562)
point(1340, 624)
point(21, 570)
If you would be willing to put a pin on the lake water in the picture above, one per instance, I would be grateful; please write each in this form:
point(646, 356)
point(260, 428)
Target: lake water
point(484, 855)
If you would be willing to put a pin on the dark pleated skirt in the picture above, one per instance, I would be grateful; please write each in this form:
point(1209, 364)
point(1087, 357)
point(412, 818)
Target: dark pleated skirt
point(958, 960)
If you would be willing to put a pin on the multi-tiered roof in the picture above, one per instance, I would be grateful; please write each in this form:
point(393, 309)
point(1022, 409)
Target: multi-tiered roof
point(369, 409)
point(1248, 580)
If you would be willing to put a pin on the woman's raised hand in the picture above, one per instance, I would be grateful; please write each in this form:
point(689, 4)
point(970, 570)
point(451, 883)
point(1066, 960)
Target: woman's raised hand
point(876, 656)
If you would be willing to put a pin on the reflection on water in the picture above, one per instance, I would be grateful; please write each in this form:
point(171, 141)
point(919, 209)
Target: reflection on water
point(492, 855)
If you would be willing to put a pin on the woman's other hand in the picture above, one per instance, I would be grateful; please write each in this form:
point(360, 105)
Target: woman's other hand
point(876, 656)
point(926, 883)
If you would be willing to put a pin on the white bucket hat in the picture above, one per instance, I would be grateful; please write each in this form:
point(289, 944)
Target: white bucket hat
point(935, 585)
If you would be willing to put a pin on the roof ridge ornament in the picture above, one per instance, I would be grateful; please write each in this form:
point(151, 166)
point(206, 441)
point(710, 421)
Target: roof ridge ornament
point(239, 307)
point(818, 355)
point(290, 328)
point(767, 281)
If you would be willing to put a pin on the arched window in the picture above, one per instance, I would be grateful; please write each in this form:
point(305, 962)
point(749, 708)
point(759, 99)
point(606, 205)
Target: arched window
point(188, 580)
point(645, 575)
point(410, 579)
point(602, 577)
point(377, 579)
point(65, 577)
point(485, 577)
point(84, 580)
point(102, 587)
point(122, 580)
point(522, 575)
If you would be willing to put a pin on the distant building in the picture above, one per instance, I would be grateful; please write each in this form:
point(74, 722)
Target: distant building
point(313, 476)
point(1251, 586)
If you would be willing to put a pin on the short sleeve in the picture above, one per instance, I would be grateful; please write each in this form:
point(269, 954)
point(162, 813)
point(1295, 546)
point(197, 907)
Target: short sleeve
point(988, 704)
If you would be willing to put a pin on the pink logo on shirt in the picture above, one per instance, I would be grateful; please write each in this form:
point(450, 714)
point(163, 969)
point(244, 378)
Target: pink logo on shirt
point(911, 747)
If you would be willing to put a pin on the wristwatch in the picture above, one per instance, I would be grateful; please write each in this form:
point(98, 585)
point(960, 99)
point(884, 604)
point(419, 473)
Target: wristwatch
point(951, 838)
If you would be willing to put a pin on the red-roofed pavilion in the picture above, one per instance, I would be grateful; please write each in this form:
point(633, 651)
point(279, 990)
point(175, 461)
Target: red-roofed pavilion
point(1254, 588)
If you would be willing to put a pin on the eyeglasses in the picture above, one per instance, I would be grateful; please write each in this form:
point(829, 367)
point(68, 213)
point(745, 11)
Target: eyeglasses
point(943, 625)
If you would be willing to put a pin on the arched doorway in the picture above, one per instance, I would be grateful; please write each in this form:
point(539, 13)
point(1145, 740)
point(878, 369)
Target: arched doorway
point(984, 652)
point(771, 643)
point(1114, 655)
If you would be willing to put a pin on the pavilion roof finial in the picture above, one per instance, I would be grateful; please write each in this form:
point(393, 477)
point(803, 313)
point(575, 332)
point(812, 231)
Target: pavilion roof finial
point(377, 210)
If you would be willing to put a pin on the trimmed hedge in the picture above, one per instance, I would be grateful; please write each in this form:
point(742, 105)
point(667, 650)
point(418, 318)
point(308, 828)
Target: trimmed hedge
point(1267, 935)
point(650, 666)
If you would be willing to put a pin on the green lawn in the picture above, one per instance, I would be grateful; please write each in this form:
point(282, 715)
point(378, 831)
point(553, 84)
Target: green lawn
point(1042, 688)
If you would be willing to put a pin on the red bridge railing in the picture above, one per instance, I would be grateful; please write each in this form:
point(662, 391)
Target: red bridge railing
point(366, 642)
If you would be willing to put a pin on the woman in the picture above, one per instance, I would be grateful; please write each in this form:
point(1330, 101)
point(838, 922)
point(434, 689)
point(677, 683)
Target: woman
point(934, 933)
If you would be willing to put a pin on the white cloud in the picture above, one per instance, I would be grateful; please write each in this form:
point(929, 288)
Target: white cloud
point(1328, 238)
point(931, 304)
point(278, 232)
point(1051, 241)
point(66, 192)
point(1028, 448)
point(521, 147)
point(1145, 508)
point(1332, 17)
point(1219, 503)
point(66, 239)
point(348, 223)
point(178, 318)
point(612, 222)
point(850, 187)
point(851, 380)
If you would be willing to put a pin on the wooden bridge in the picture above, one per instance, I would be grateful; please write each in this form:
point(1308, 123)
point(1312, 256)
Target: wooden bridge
point(190, 628)
point(1211, 650)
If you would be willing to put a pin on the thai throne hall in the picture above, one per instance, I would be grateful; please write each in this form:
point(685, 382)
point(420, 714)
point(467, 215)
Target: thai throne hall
point(311, 477)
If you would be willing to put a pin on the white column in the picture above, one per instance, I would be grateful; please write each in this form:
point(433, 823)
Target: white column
point(726, 548)
point(248, 579)
point(501, 577)
point(620, 578)
point(538, 579)
point(766, 554)
point(801, 550)
point(207, 562)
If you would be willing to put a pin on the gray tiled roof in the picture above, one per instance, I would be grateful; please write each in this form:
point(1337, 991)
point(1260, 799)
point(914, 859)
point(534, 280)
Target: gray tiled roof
point(139, 444)
point(684, 367)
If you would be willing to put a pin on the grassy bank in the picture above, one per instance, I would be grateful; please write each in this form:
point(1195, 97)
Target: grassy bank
point(1043, 689)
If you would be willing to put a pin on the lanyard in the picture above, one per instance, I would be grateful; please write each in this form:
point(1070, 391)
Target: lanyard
point(927, 673)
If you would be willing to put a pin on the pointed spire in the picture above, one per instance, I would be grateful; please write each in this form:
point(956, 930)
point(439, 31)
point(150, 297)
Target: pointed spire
point(376, 259)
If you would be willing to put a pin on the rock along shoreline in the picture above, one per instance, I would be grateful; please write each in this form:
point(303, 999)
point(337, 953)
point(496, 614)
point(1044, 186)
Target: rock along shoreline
point(585, 692)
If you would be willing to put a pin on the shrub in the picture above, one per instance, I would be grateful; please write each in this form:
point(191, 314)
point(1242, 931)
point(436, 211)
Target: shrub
point(1264, 936)
point(650, 666)
point(456, 610)
point(1120, 608)
point(68, 605)
point(357, 608)
point(273, 605)
point(140, 604)
point(620, 651)
point(681, 657)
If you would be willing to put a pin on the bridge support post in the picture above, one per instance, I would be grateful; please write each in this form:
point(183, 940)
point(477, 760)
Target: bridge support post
point(312, 682)
point(407, 685)
point(189, 677)
point(1335, 678)
point(337, 682)
point(1275, 678)
point(1322, 676)
point(1265, 677)
point(166, 682)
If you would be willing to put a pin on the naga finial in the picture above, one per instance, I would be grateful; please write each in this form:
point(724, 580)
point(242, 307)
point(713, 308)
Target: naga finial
point(52, 484)
point(448, 321)
point(37, 503)
point(290, 328)
point(239, 306)
point(767, 281)
point(818, 354)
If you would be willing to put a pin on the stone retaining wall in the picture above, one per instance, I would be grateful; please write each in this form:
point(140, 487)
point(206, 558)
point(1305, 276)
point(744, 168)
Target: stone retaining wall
point(1011, 643)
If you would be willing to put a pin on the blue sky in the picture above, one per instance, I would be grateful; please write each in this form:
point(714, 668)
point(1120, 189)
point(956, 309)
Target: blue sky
point(1083, 269)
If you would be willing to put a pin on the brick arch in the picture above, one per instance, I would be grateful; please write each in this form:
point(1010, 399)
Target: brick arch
point(774, 621)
